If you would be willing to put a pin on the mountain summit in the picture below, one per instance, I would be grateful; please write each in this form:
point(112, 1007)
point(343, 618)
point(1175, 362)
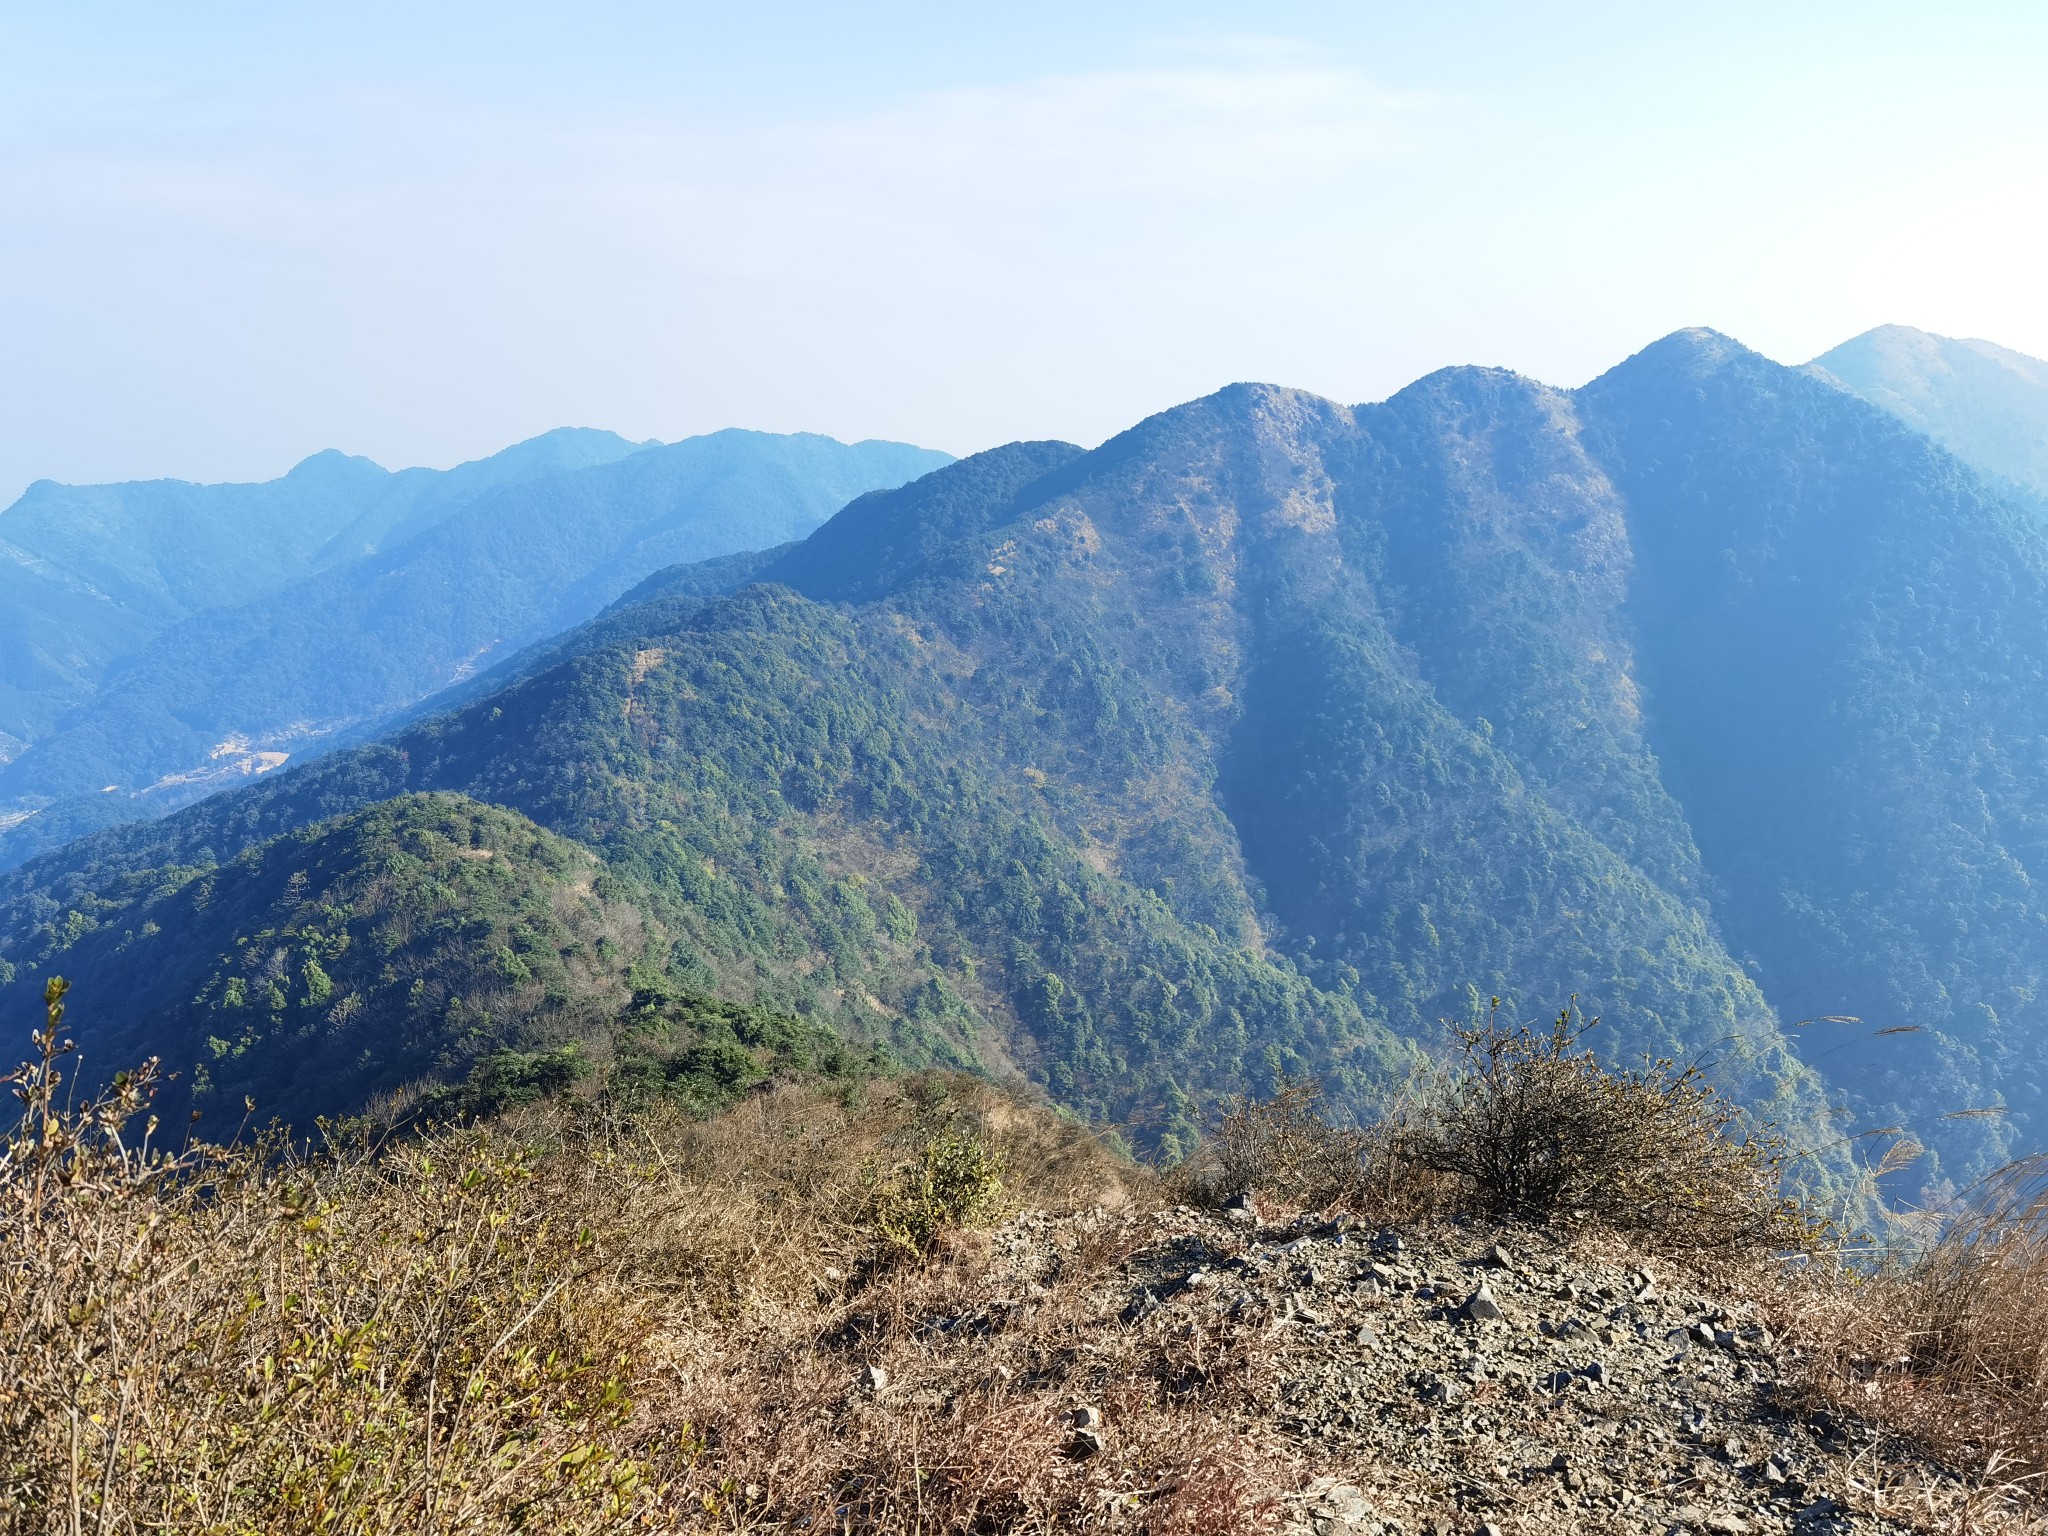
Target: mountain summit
point(1985, 403)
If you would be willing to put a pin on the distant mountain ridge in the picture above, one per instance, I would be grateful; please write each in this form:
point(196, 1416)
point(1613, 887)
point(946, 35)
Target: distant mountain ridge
point(382, 589)
point(1985, 403)
point(89, 573)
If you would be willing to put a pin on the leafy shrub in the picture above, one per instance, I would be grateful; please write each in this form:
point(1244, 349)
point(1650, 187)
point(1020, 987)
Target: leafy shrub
point(954, 1179)
point(505, 1079)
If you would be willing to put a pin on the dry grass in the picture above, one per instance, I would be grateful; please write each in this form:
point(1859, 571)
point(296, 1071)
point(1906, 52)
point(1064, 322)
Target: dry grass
point(1945, 1344)
point(793, 1316)
point(570, 1325)
point(1285, 1156)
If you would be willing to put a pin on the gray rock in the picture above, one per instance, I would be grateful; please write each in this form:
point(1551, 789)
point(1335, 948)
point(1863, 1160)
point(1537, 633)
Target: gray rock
point(1498, 1257)
point(1085, 1443)
point(875, 1379)
point(1086, 1416)
point(1482, 1306)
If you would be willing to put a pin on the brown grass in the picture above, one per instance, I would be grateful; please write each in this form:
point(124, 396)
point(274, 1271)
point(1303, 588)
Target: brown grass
point(1945, 1343)
point(565, 1324)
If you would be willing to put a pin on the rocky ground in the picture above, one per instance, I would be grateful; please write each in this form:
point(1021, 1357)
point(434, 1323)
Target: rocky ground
point(1469, 1379)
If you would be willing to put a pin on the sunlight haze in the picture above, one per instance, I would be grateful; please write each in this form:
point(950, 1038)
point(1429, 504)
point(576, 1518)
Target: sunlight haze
point(235, 237)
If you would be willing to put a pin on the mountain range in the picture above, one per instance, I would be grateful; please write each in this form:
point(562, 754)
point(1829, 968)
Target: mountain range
point(1252, 744)
point(161, 639)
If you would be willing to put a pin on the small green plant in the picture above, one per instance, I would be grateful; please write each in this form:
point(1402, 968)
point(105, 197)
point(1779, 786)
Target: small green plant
point(955, 1179)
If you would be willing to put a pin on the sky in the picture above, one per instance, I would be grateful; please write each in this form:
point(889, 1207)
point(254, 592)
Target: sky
point(232, 235)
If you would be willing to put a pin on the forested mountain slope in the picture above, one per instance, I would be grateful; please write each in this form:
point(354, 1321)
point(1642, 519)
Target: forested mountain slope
point(238, 687)
point(1273, 731)
point(424, 940)
point(1986, 404)
point(1843, 638)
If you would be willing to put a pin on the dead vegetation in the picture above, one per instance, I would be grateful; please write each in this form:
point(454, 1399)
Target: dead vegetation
point(1944, 1343)
point(852, 1310)
point(1524, 1124)
point(565, 1323)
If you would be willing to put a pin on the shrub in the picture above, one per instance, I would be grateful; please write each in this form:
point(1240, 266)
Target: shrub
point(1537, 1129)
point(1284, 1149)
point(1526, 1125)
point(953, 1179)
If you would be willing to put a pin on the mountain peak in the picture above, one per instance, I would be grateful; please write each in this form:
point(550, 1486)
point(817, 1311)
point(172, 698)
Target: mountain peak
point(1986, 404)
point(332, 463)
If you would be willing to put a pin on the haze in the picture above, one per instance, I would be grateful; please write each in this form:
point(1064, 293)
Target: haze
point(233, 236)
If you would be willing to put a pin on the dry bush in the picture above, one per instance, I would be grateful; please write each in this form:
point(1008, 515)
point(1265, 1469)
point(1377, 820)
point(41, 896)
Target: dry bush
point(1537, 1129)
point(1286, 1155)
point(1527, 1126)
point(1946, 1344)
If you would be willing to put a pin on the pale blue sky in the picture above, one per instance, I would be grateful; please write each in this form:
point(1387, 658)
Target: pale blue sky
point(233, 234)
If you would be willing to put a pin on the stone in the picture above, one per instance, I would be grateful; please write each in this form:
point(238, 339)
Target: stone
point(1498, 1257)
point(1597, 1373)
point(875, 1379)
point(1727, 1524)
point(1482, 1306)
point(1085, 1443)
